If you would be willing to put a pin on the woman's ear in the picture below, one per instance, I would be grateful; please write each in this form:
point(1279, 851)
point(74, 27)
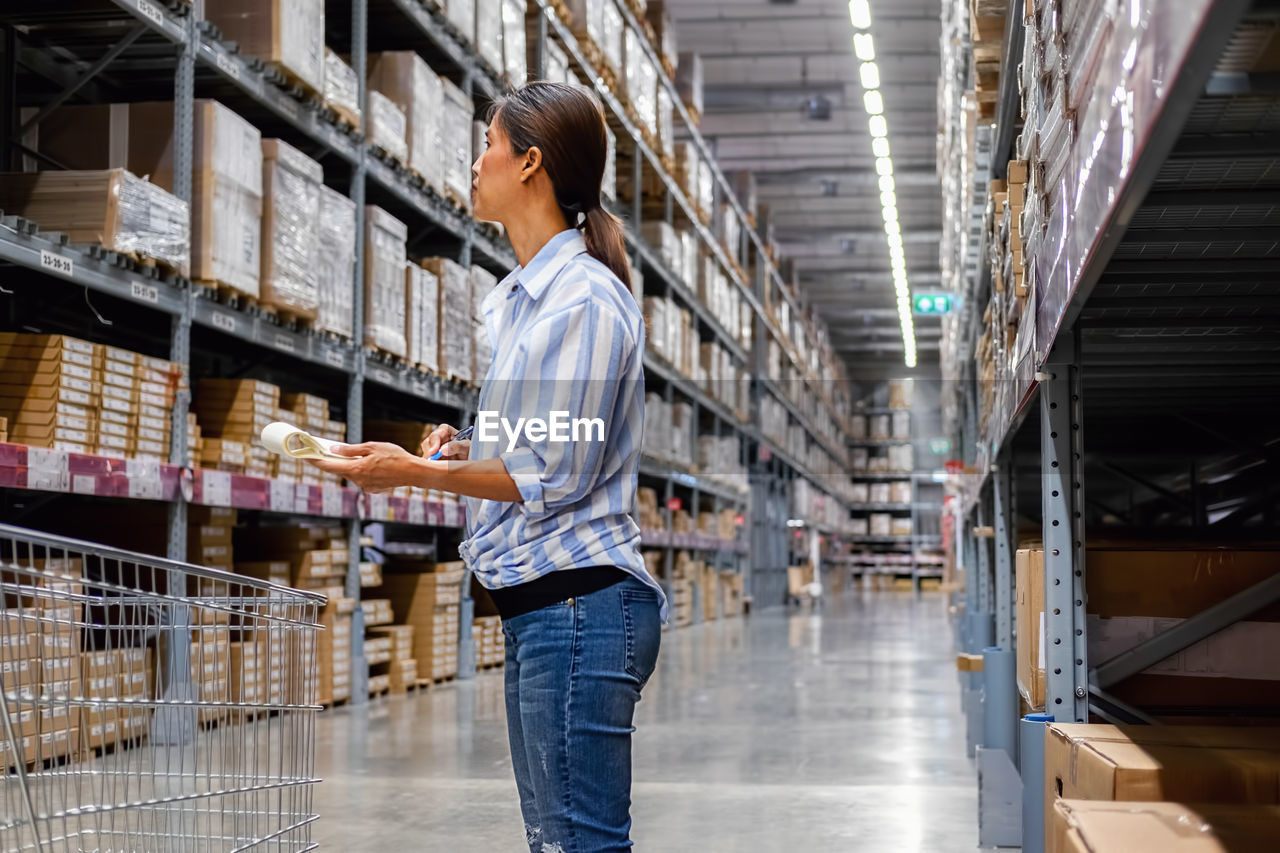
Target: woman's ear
point(532, 163)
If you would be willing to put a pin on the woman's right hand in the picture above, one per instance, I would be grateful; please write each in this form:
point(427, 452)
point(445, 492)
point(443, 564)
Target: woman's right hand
point(442, 437)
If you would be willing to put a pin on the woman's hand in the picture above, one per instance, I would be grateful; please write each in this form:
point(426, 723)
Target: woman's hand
point(374, 466)
point(442, 437)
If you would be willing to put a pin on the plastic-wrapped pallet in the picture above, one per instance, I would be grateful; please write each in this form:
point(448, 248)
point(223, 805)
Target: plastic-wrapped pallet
point(421, 320)
point(388, 126)
point(488, 32)
point(226, 214)
point(384, 299)
point(514, 45)
point(335, 268)
point(664, 118)
point(406, 79)
point(482, 284)
point(113, 207)
point(341, 88)
point(640, 88)
point(681, 434)
point(611, 29)
point(658, 14)
point(462, 14)
point(455, 330)
point(599, 21)
point(689, 81)
point(662, 238)
point(288, 34)
point(291, 208)
point(455, 129)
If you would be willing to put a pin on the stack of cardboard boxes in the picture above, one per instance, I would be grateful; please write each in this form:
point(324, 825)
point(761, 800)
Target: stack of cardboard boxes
point(427, 596)
point(384, 282)
point(333, 670)
point(392, 646)
point(456, 337)
point(66, 393)
point(422, 317)
point(232, 414)
point(209, 537)
point(336, 263)
point(291, 184)
point(316, 555)
point(648, 517)
point(732, 588)
point(482, 283)
point(486, 633)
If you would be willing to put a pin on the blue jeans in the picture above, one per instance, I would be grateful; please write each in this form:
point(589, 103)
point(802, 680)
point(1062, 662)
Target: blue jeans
point(573, 676)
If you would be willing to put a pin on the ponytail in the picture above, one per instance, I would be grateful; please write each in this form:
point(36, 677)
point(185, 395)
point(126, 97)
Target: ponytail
point(602, 232)
point(567, 125)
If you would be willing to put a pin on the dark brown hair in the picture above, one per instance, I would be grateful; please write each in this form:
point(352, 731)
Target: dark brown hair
point(567, 126)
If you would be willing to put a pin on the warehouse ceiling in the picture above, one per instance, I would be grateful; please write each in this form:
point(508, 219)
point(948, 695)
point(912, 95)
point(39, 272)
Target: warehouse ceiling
point(762, 61)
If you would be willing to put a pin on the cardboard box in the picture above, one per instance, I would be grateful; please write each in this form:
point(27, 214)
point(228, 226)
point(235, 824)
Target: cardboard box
point(288, 34)
point(405, 79)
point(1202, 764)
point(1081, 826)
point(422, 321)
point(1134, 593)
point(384, 281)
point(336, 259)
point(341, 89)
point(114, 208)
point(456, 116)
point(291, 184)
point(400, 637)
point(454, 332)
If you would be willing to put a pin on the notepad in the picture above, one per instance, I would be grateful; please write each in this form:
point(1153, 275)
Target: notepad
point(289, 440)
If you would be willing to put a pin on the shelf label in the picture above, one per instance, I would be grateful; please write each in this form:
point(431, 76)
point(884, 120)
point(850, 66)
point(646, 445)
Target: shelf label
point(379, 508)
point(334, 357)
point(284, 342)
point(301, 499)
point(675, 504)
point(150, 11)
point(417, 511)
point(227, 65)
point(84, 484)
point(144, 479)
point(383, 376)
point(144, 292)
point(282, 496)
point(55, 263)
point(418, 388)
point(47, 469)
point(330, 500)
point(217, 488)
point(225, 322)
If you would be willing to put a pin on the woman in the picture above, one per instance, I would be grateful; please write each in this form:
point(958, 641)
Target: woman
point(549, 522)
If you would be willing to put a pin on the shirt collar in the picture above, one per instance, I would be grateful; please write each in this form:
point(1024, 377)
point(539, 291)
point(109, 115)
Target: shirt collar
point(550, 259)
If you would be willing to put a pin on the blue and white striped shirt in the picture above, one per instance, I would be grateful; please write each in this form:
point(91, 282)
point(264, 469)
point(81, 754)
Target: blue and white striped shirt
point(568, 337)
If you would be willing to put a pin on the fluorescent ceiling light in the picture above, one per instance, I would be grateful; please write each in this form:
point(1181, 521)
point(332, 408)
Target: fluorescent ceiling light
point(886, 184)
point(870, 75)
point(884, 165)
point(864, 46)
point(873, 103)
point(891, 228)
point(879, 127)
point(860, 14)
point(880, 147)
point(888, 198)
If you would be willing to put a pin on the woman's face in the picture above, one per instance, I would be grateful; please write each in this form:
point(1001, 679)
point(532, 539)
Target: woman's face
point(495, 182)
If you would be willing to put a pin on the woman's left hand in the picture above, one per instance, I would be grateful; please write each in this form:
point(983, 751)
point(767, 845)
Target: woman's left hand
point(374, 466)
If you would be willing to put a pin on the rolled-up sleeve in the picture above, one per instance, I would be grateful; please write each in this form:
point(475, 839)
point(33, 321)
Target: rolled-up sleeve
point(569, 369)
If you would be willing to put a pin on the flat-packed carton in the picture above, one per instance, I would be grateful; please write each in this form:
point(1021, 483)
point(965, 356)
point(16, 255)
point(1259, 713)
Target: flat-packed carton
point(1082, 826)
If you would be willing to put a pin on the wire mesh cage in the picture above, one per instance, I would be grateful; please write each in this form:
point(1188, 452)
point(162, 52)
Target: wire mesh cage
point(150, 705)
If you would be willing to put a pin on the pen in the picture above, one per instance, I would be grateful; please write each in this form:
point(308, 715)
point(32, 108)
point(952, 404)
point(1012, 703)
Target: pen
point(465, 434)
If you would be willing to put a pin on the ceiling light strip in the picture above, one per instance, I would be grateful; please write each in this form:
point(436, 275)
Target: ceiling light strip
point(878, 126)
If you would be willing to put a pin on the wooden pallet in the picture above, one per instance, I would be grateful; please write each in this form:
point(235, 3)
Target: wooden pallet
point(294, 82)
point(336, 703)
point(384, 357)
point(382, 691)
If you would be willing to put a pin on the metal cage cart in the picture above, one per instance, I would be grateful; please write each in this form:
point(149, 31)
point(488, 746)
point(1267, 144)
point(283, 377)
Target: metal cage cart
point(151, 705)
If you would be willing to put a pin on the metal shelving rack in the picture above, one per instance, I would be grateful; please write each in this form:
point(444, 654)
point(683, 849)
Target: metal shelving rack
point(171, 41)
point(1154, 369)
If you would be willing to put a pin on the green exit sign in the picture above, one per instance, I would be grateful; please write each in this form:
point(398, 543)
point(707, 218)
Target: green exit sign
point(932, 303)
point(939, 445)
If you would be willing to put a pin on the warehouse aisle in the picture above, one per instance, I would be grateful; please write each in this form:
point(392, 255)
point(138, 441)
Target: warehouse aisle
point(814, 732)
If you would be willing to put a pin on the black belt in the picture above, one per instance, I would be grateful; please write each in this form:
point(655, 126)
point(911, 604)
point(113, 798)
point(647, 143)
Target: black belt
point(513, 601)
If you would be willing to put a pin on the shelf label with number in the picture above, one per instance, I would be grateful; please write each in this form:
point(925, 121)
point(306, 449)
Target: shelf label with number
point(144, 479)
point(379, 508)
point(55, 263)
point(418, 388)
point(144, 292)
point(47, 469)
point(84, 484)
point(335, 358)
point(225, 322)
point(150, 11)
point(302, 499)
point(227, 66)
point(330, 500)
point(217, 488)
point(284, 342)
point(282, 496)
point(383, 376)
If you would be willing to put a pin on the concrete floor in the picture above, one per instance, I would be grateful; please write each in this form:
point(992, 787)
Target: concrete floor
point(812, 732)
